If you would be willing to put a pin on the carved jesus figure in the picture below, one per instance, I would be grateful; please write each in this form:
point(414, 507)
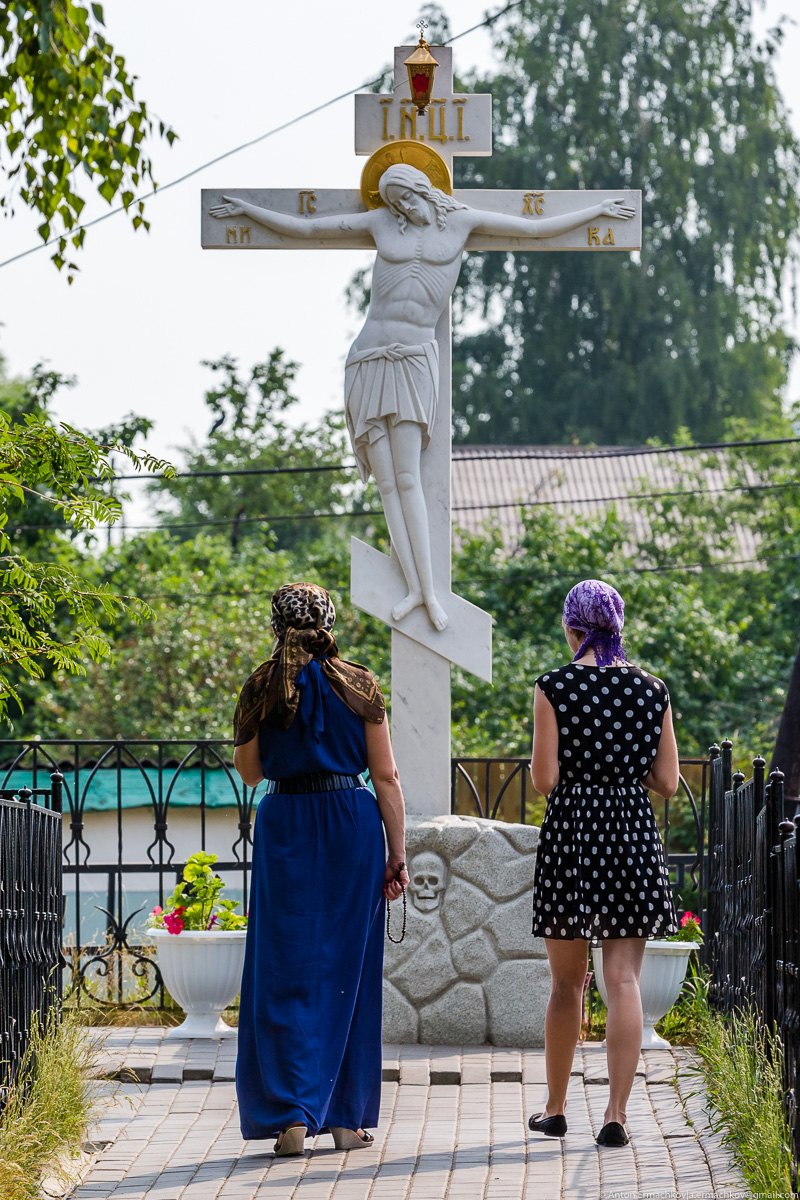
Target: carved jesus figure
point(392, 370)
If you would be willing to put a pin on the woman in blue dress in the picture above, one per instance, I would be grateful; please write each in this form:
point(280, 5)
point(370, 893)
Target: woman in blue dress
point(309, 1055)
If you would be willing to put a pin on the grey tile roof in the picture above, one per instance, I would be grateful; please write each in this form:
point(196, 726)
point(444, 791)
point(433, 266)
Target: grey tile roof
point(501, 484)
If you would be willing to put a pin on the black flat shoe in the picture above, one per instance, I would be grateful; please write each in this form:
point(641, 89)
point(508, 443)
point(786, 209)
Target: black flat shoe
point(555, 1126)
point(612, 1134)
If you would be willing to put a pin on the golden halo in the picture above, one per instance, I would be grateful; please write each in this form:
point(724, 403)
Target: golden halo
point(413, 154)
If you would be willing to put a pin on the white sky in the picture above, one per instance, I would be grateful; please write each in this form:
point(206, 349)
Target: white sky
point(146, 308)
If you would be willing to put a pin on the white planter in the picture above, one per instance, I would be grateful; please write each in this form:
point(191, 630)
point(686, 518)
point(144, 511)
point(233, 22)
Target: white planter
point(203, 971)
point(663, 972)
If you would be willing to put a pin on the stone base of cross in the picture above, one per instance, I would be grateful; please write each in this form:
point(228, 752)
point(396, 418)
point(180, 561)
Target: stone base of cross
point(323, 218)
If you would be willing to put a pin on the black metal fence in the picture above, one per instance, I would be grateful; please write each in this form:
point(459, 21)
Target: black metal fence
point(501, 789)
point(136, 810)
point(30, 917)
point(753, 942)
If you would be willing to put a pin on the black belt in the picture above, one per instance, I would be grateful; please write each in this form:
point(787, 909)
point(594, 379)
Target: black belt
point(315, 781)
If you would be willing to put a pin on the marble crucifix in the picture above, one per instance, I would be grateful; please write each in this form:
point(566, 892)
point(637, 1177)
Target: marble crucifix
point(398, 371)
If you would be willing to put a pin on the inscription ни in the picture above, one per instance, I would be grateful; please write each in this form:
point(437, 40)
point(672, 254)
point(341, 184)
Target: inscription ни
point(237, 237)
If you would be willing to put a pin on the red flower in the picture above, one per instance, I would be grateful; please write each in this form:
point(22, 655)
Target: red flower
point(687, 917)
point(174, 921)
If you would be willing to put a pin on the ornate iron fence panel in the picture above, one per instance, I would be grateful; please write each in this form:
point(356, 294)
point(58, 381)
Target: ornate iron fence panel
point(134, 811)
point(30, 918)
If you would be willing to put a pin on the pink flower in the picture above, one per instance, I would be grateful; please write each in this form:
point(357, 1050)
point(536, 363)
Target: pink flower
point(174, 921)
point(157, 911)
point(687, 917)
point(212, 921)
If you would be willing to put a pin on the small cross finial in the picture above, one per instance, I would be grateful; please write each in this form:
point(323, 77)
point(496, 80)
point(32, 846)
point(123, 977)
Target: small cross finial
point(422, 25)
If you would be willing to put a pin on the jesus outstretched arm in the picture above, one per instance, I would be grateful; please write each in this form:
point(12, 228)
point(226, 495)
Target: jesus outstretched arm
point(300, 227)
point(544, 227)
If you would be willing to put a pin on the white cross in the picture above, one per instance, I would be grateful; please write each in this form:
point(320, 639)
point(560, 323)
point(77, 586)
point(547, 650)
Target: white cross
point(452, 125)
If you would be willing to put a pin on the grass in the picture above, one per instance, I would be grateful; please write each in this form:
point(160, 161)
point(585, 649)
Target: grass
point(49, 1110)
point(96, 1015)
point(742, 1068)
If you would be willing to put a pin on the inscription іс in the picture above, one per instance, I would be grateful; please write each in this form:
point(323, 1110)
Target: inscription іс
point(308, 202)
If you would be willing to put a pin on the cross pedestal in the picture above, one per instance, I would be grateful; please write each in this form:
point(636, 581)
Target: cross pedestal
point(534, 219)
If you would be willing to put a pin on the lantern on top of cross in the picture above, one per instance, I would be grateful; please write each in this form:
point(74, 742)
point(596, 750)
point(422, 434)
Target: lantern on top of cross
point(421, 67)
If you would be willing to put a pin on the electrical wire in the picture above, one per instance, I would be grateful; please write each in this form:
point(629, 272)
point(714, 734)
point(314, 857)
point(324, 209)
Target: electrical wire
point(70, 233)
point(485, 454)
point(511, 576)
point(484, 505)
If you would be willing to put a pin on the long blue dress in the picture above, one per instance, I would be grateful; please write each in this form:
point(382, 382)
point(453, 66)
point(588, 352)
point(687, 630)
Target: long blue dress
point(310, 1006)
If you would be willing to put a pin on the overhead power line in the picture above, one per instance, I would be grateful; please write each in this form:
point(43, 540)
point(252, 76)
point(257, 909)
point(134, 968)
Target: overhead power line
point(156, 191)
point(484, 454)
point(490, 505)
point(511, 576)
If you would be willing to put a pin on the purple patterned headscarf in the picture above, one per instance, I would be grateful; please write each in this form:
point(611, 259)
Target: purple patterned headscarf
point(597, 610)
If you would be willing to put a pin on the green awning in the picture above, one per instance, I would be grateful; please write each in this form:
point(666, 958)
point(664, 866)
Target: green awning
point(138, 788)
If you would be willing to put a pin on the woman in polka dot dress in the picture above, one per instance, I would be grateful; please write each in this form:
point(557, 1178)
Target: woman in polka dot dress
point(602, 735)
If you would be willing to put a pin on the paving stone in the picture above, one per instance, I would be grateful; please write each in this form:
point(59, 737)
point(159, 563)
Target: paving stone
point(452, 1127)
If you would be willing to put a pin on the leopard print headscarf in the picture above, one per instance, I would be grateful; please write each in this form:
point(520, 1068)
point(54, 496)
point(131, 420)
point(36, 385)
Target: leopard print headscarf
point(301, 606)
point(302, 618)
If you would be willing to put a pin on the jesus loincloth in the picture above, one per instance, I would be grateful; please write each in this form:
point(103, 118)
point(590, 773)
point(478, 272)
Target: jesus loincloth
point(389, 383)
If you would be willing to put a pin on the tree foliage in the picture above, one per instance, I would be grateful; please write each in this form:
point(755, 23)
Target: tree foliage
point(49, 614)
point(721, 634)
point(250, 431)
point(676, 98)
point(67, 105)
point(182, 675)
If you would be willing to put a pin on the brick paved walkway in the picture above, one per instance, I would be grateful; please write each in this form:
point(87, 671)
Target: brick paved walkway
point(452, 1128)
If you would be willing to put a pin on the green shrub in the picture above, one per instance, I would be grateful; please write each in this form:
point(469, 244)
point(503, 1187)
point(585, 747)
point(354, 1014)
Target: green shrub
point(742, 1068)
point(49, 1110)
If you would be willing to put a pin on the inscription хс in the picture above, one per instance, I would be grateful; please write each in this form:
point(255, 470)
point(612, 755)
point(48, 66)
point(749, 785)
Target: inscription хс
point(533, 202)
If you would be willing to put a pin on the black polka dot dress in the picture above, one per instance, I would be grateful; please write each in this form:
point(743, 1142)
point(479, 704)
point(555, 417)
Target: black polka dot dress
point(600, 866)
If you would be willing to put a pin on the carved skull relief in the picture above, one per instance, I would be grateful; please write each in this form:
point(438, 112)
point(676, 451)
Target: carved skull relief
point(428, 878)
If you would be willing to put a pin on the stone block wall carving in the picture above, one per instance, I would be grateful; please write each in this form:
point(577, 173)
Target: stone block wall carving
point(468, 971)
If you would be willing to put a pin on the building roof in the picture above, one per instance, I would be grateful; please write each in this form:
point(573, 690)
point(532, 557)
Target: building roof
point(505, 484)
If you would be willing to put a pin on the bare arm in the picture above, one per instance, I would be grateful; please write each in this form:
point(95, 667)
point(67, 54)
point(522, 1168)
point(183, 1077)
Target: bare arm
point(247, 762)
point(664, 775)
point(542, 227)
point(386, 781)
point(342, 225)
point(544, 762)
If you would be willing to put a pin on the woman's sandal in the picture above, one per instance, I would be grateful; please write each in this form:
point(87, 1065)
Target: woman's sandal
point(350, 1139)
point(291, 1141)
